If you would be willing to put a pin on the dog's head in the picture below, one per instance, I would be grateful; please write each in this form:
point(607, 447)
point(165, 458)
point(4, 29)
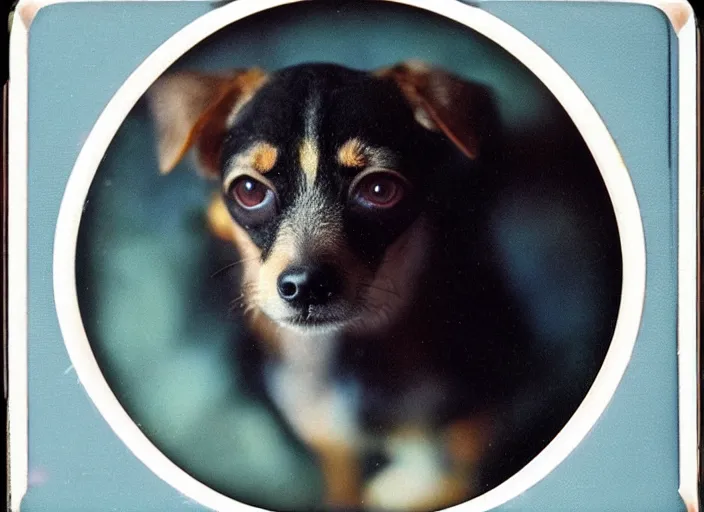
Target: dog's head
point(327, 174)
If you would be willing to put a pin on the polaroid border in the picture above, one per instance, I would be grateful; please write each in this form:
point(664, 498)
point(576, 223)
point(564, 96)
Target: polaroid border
point(583, 114)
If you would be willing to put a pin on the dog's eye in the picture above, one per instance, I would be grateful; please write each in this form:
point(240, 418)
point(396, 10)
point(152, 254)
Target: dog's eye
point(250, 193)
point(378, 190)
point(256, 200)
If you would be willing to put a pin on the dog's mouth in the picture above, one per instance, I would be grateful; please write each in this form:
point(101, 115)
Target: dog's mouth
point(316, 318)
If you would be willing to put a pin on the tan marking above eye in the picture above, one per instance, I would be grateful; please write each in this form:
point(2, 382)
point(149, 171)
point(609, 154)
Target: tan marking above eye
point(309, 158)
point(255, 161)
point(263, 157)
point(352, 154)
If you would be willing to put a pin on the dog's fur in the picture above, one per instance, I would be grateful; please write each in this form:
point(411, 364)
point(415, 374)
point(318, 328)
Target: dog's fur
point(416, 350)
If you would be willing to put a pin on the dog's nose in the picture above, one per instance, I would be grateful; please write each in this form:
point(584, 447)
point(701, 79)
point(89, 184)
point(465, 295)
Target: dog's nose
point(308, 285)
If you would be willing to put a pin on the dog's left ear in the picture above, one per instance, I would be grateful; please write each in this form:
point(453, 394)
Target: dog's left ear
point(444, 102)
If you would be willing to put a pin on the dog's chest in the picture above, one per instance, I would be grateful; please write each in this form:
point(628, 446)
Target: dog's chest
point(320, 406)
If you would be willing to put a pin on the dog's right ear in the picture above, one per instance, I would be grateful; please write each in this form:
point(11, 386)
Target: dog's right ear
point(192, 110)
point(445, 102)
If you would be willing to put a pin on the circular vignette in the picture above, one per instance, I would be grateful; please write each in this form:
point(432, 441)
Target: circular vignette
point(586, 119)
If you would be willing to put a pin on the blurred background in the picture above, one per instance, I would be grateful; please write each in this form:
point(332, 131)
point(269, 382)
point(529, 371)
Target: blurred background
point(157, 312)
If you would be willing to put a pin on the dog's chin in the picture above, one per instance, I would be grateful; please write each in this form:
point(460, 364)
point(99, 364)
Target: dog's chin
point(313, 325)
point(317, 320)
point(357, 319)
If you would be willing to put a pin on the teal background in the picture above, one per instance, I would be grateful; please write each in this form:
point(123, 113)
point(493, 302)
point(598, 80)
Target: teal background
point(620, 59)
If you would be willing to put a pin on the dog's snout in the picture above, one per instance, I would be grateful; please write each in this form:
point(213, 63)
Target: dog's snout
point(303, 286)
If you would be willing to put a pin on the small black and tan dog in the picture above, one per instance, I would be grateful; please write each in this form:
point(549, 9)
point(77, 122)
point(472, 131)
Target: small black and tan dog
point(355, 202)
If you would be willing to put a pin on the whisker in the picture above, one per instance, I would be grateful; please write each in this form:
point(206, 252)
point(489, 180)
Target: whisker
point(231, 265)
point(237, 300)
point(248, 308)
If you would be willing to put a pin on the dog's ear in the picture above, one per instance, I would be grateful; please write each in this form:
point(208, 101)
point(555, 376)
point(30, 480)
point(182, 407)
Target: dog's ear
point(192, 110)
point(444, 102)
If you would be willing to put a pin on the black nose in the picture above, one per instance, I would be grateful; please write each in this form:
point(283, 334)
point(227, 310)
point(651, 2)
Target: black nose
point(309, 285)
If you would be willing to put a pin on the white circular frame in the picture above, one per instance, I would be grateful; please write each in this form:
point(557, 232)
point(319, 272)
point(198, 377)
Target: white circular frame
point(572, 99)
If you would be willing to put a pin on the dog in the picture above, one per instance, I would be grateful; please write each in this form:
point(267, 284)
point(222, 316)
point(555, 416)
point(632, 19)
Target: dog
point(355, 200)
